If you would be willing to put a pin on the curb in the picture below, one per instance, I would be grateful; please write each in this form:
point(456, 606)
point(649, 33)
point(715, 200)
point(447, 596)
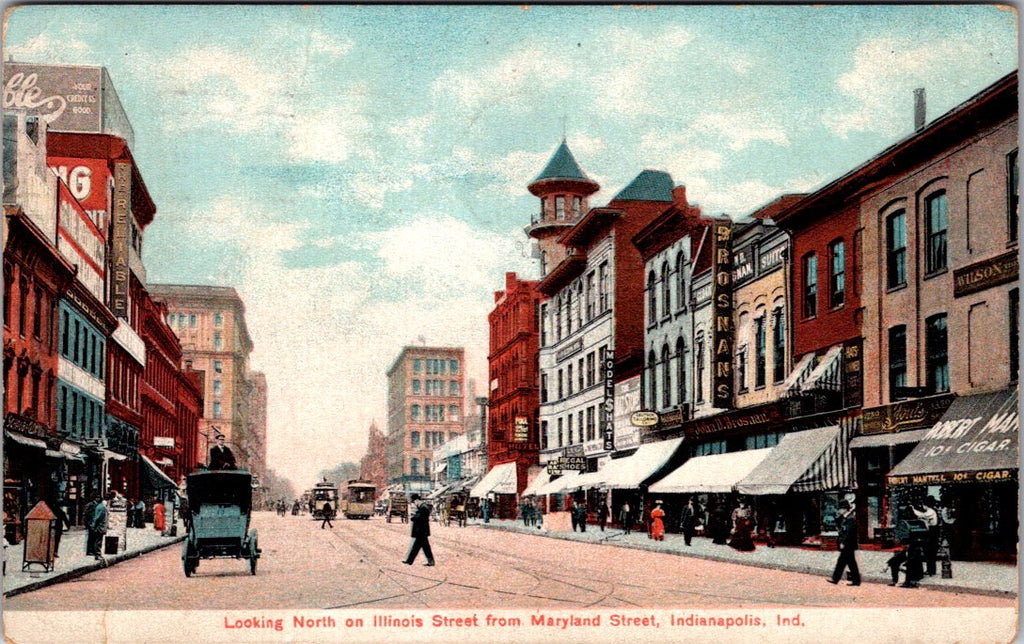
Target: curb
point(88, 568)
point(788, 567)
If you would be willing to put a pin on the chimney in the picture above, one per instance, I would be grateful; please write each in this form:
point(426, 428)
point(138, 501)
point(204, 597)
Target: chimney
point(919, 109)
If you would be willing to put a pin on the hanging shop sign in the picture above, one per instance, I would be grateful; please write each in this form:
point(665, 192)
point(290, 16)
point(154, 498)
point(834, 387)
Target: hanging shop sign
point(608, 406)
point(853, 373)
point(521, 433)
point(722, 332)
point(985, 274)
point(120, 239)
point(910, 414)
point(644, 418)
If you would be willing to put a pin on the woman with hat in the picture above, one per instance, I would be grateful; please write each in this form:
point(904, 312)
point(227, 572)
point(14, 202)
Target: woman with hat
point(657, 523)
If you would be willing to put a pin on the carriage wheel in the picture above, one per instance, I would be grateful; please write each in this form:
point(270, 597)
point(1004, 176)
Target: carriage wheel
point(189, 559)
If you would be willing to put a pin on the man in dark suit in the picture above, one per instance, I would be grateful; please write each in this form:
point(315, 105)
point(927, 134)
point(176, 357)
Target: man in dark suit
point(420, 533)
point(847, 542)
point(221, 456)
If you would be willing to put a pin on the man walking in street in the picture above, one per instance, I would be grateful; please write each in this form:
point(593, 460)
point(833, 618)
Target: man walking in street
point(420, 533)
point(847, 542)
point(328, 513)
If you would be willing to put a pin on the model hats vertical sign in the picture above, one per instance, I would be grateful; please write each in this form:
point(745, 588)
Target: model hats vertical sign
point(608, 378)
point(120, 238)
point(722, 332)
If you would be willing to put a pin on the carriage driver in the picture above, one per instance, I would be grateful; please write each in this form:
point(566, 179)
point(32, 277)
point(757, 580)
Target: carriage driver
point(221, 457)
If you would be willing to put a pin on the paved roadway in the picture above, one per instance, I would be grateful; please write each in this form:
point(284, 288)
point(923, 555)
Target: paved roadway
point(358, 564)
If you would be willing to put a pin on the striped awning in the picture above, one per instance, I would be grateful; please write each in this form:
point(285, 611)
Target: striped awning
point(542, 478)
point(799, 373)
point(500, 480)
point(826, 374)
point(807, 461)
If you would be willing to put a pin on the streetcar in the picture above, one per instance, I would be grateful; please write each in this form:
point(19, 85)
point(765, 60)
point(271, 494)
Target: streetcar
point(323, 493)
point(219, 506)
point(359, 499)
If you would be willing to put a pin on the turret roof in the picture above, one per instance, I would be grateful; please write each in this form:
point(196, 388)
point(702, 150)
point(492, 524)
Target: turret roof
point(649, 185)
point(562, 166)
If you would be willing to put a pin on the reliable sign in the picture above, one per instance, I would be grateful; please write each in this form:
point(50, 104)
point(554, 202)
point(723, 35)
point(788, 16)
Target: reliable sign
point(120, 239)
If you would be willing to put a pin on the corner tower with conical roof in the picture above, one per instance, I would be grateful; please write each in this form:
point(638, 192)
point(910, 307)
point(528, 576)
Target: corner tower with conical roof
point(563, 189)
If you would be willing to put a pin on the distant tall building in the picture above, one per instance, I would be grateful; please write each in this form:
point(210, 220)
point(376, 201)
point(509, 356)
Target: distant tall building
point(425, 409)
point(210, 322)
point(373, 467)
point(256, 438)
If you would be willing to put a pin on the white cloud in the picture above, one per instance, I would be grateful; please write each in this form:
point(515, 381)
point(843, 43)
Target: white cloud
point(741, 129)
point(331, 136)
point(44, 48)
point(514, 83)
point(413, 131)
point(372, 188)
point(885, 71)
point(331, 45)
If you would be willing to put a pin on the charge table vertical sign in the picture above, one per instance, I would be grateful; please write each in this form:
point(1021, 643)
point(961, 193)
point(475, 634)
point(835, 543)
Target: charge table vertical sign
point(608, 373)
point(120, 238)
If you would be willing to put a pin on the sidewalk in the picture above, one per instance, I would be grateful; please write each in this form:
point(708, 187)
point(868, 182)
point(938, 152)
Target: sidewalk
point(968, 576)
point(73, 561)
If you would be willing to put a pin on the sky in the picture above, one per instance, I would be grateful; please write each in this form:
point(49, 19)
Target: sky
point(359, 173)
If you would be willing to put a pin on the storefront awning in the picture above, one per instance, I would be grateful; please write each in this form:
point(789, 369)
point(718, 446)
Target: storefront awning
point(439, 492)
point(564, 482)
point(27, 441)
point(500, 480)
point(974, 441)
point(440, 467)
point(714, 473)
point(888, 439)
point(114, 456)
point(630, 472)
point(826, 374)
point(542, 478)
point(799, 373)
point(155, 476)
point(807, 461)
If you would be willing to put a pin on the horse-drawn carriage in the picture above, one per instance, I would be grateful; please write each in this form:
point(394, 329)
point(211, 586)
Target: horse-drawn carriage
point(219, 506)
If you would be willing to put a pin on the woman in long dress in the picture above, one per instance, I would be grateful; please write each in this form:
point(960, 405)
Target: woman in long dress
point(159, 517)
point(657, 523)
point(742, 528)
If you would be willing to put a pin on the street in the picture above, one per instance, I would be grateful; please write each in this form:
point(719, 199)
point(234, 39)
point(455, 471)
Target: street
point(358, 565)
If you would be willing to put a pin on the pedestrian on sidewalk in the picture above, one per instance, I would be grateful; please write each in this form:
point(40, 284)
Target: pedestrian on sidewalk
point(328, 513)
point(847, 542)
point(420, 533)
point(99, 525)
point(159, 516)
point(139, 508)
point(720, 523)
point(688, 522)
point(602, 514)
point(63, 523)
point(657, 522)
point(626, 518)
point(88, 518)
point(927, 513)
point(913, 570)
point(742, 528)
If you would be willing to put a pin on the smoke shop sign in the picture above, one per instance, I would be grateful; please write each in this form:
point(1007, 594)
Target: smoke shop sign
point(911, 414)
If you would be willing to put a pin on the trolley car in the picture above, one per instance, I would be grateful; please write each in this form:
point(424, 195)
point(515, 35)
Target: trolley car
point(324, 493)
point(359, 499)
point(219, 508)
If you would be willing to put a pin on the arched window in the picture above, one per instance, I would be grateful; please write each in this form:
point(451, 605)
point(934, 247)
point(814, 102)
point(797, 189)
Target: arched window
point(415, 412)
point(681, 371)
point(414, 466)
point(680, 284)
point(652, 380)
point(666, 377)
point(652, 299)
point(666, 290)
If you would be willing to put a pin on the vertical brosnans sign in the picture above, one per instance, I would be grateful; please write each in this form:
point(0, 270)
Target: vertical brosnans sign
point(120, 239)
point(608, 418)
point(722, 330)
